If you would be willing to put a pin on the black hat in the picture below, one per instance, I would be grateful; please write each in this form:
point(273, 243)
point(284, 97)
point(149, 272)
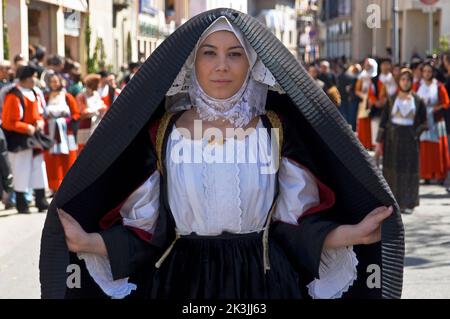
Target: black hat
point(25, 72)
point(114, 154)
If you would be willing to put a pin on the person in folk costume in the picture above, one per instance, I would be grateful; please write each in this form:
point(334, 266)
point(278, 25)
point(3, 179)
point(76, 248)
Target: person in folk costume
point(21, 114)
point(387, 77)
point(60, 114)
point(446, 65)
point(378, 97)
point(434, 154)
point(92, 108)
point(177, 227)
point(364, 90)
point(402, 122)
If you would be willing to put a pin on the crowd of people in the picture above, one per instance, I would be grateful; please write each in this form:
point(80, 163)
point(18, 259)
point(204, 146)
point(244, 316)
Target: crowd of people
point(48, 112)
point(399, 111)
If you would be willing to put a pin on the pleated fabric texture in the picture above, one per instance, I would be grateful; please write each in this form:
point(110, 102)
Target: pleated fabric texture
point(127, 118)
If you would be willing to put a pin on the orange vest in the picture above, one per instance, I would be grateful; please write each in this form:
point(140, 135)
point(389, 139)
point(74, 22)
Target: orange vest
point(12, 117)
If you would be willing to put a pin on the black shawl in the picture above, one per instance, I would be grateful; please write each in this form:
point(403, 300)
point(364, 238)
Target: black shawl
point(120, 155)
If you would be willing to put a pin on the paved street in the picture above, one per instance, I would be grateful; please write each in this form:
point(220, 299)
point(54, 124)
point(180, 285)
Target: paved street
point(427, 271)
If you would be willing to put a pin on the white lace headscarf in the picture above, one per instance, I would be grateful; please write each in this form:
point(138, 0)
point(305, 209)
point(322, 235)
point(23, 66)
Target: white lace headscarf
point(249, 101)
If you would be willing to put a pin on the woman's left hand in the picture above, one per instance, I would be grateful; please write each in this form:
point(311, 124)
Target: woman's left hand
point(368, 231)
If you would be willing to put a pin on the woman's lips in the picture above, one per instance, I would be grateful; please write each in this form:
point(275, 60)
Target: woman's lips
point(221, 82)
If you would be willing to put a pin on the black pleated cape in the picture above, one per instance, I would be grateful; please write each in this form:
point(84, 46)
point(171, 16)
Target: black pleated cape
point(119, 153)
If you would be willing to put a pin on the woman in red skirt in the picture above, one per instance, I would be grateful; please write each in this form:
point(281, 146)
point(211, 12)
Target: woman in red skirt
point(434, 156)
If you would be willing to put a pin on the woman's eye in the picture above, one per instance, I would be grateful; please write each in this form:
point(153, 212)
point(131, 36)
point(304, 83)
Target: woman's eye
point(209, 53)
point(235, 54)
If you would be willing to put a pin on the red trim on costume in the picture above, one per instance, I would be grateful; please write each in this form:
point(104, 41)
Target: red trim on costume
point(326, 194)
point(113, 216)
point(142, 234)
point(153, 130)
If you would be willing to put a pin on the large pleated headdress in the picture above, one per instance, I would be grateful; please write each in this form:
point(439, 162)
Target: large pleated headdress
point(115, 158)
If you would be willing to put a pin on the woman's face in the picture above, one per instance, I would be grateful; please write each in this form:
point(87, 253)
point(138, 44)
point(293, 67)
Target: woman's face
point(427, 73)
point(405, 82)
point(221, 65)
point(367, 66)
point(396, 71)
point(54, 83)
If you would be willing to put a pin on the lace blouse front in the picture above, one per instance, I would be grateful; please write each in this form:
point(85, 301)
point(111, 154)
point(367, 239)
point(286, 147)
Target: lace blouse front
point(230, 187)
point(210, 193)
point(403, 112)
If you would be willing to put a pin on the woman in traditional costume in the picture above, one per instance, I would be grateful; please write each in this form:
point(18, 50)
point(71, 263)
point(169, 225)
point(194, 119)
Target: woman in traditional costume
point(402, 123)
point(434, 154)
point(60, 113)
point(373, 97)
point(92, 109)
point(280, 225)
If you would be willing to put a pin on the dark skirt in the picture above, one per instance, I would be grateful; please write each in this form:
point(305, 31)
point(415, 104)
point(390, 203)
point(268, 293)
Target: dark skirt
point(229, 266)
point(401, 164)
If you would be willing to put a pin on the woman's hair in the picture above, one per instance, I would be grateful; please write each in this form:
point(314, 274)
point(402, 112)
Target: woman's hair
point(407, 71)
point(92, 81)
point(68, 65)
point(55, 60)
point(425, 64)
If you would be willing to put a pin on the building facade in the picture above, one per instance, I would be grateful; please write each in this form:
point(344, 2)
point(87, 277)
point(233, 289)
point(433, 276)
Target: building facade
point(125, 26)
point(361, 28)
point(308, 29)
point(152, 28)
point(337, 25)
point(279, 16)
point(54, 24)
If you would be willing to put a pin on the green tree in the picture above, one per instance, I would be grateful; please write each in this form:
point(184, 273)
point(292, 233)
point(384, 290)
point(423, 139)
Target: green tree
point(99, 55)
point(444, 45)
point(91, 63)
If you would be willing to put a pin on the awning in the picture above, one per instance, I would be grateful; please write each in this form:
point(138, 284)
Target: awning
point(78, 5)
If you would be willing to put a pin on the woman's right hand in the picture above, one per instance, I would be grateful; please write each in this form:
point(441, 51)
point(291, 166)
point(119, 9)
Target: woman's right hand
point(76, 237)
point(78, 241)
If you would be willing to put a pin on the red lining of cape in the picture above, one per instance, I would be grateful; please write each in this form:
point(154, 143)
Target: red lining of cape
point(113, 216)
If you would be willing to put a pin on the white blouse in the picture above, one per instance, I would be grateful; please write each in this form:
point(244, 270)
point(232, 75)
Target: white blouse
point(213, 189)
point(403, 112)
